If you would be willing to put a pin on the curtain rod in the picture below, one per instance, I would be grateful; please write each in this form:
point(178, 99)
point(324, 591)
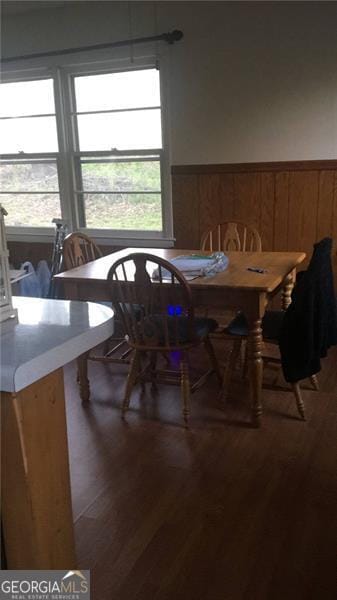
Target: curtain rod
point(170, 38)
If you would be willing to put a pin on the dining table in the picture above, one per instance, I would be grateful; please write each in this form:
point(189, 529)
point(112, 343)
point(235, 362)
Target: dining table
point(250, 281)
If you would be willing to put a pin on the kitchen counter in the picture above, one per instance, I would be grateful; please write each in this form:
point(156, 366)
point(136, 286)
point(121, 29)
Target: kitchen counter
point(37, 519)
point(49, 334)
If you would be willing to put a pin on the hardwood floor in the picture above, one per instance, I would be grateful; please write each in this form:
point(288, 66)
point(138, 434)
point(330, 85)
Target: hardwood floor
point(219, 512)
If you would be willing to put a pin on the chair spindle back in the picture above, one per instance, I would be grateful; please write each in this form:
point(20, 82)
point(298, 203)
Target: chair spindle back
point(79, 249)
point(231, 235)
point(151, 296)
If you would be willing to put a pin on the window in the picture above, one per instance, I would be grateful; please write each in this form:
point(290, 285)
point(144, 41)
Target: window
point(29, 186)
point(87, 146)
point(120, 113)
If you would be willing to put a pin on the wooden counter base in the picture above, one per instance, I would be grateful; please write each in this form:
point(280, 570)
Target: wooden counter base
point(35, 483)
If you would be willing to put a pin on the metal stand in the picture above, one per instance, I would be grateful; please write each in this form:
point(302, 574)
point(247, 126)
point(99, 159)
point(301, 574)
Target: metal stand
point(56, 262)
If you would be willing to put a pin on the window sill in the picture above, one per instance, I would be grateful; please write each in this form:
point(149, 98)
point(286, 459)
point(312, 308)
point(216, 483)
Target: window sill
point(104, 238)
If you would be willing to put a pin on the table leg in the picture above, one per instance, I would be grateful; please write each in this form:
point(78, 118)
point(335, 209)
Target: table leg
point(254, 312)
point(255, 368)
point(35, 484)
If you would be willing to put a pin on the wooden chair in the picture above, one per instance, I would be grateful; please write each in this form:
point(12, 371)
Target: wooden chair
point(230, 235)
point(79, 249)
point(154, 303)
point(237, 332)
point(304, 331)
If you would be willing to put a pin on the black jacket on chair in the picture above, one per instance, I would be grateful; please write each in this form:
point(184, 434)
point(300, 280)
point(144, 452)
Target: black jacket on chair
point(309, 326)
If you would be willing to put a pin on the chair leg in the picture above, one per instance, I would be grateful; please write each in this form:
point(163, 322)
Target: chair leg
point(245, 360)
point(299, 402)
point(314, 382)
point(131, 380)
point(106, 347)
point(230, 366)
point(185, 389)
point(213, 360)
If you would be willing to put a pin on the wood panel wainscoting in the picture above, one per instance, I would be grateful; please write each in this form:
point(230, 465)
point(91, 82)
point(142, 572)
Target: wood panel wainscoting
point(19, 252)
point(292, 204)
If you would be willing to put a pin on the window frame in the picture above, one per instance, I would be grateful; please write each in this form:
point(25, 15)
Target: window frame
point(64, 94)
point(25, 233)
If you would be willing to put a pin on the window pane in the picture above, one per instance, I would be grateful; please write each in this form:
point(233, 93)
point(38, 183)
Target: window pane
point(124, 131)
point(130, 89)
point(29, 177)
point(27, 98)
point(34, 210)
point(28, 135)
point(123, 211)
point(121, 176)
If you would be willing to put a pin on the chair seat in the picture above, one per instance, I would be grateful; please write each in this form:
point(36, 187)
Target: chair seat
point(271, 325)
point(203, 326)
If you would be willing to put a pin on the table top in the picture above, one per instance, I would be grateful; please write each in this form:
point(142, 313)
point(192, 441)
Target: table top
point(48, 335)
point(276, 264)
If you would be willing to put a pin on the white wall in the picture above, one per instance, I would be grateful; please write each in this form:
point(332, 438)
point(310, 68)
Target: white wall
point(249, 81)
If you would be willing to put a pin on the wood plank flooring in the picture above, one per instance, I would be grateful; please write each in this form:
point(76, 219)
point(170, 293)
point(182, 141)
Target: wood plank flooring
point(219, 512)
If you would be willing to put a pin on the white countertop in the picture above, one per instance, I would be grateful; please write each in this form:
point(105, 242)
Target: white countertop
point(49, 334)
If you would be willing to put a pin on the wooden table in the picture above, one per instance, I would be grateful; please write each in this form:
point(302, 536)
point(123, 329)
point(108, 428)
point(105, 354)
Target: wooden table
point(236, 288)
